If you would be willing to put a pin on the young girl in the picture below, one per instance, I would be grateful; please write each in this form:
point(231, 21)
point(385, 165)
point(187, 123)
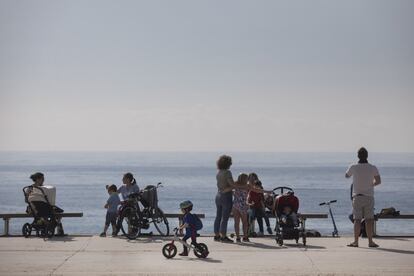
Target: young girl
point(240, 207)
point(255, 200)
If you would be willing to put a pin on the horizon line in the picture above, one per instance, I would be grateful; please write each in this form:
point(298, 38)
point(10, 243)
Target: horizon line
point(188, 151)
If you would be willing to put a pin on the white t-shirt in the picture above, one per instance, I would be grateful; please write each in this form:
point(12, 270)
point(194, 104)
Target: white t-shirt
point(363, 178)
point(125, 190)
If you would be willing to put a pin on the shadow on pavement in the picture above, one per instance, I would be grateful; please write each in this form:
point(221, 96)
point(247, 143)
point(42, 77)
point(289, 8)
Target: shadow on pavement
point(207, 260)
point(285, 246)
point(260, 245)
point(400, 251)
point(143, 240)
point(393, 238)
point(65, 238)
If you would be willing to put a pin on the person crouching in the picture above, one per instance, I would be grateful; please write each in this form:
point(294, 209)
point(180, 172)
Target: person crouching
point(189, 223)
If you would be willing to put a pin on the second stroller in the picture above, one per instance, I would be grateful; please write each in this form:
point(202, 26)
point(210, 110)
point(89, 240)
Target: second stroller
point(44, 219)
point(285, 208)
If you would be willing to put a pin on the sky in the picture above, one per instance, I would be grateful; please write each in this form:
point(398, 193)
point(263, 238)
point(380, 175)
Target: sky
point(314, 76)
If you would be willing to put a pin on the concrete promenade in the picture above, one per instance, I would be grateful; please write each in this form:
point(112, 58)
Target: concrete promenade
point(92, 255)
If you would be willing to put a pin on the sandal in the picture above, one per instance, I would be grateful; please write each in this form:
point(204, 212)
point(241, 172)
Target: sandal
point(352, 244)
point(373, 245)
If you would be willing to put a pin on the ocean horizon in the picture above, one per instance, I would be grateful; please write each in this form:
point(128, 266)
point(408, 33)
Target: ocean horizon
point(80, 178)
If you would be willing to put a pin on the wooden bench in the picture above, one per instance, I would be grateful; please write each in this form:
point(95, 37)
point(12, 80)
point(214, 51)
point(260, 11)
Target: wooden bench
point(7, 217)
point(379, 216)
point(305, 216)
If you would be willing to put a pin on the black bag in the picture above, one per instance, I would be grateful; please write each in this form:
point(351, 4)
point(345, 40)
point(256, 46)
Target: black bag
point(390, 211)
point(198, 223)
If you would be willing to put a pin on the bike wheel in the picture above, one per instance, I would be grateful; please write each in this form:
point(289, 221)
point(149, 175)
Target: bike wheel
point(130, 223)
point(45, 232)
point(169, 250)
point(201, 250)
point(161, 222)
point(27, 230)
point(279, 239)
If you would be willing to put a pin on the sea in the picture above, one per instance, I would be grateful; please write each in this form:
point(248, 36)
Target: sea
point(80, 179)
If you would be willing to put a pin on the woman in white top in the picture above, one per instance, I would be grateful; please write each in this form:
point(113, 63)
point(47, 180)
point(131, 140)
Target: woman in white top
point(129, 186)
point(38, 201)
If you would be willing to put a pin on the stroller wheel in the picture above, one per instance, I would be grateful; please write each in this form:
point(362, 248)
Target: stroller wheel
point(50, 230)
point(26, 230)
point(47, 231)
point(279, 240)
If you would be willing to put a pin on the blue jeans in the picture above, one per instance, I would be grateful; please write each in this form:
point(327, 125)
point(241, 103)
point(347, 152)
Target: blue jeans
point(258, 214)
point(224, 204)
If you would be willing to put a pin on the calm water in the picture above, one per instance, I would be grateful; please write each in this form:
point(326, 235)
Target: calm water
point(80, 179)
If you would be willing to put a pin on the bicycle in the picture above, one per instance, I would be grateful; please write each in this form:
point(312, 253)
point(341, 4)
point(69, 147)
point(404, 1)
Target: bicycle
point(170, 249)
point(132, 219)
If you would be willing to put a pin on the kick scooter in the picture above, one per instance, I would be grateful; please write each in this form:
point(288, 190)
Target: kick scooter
point(335, 231)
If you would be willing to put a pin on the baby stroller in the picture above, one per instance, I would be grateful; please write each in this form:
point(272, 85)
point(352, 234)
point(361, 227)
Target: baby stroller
point(44, 220)
point(288, 226)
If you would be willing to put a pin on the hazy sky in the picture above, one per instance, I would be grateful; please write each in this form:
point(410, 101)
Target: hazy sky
point(207, 75)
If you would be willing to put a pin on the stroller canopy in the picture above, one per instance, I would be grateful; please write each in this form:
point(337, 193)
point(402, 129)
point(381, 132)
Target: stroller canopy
point(286, 200)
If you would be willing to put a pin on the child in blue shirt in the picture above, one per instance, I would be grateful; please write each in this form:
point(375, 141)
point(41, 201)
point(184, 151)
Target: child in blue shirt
point(112, 210)
point(189, 223)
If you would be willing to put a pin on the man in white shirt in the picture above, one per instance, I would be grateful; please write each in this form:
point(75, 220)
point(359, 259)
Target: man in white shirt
point(365, 177)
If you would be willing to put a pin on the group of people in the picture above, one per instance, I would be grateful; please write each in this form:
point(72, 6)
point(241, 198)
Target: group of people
point(245, 198)
point(45, 210)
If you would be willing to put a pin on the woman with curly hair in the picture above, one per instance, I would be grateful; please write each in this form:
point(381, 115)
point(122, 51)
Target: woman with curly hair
point(224, 198)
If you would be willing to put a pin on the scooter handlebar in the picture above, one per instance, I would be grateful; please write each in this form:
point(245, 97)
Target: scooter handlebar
point(328, 202)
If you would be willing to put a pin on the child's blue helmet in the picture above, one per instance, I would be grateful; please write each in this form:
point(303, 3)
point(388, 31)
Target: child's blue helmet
point(186, 204)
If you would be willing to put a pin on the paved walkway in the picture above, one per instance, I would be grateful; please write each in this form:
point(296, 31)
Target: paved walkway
point(92, 255)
